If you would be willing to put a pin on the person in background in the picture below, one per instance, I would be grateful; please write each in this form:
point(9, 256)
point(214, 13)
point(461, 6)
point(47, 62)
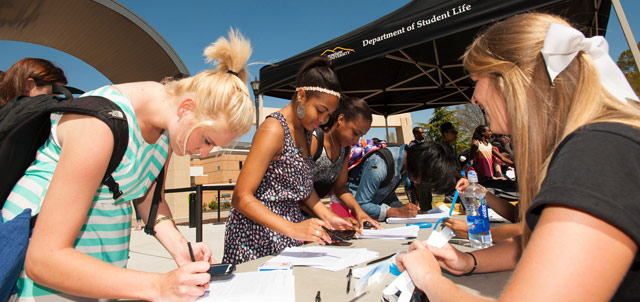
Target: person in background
point(345, 126)
point(449, 136)
point(566, 104)
point(483, 153)
point(427, 163)
point(30, 77)
point(80, 243)
point(418, 136)
point(278, 173)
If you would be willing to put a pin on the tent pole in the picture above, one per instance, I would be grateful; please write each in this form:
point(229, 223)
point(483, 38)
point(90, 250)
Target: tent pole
point(627, 31)
point(386, 126)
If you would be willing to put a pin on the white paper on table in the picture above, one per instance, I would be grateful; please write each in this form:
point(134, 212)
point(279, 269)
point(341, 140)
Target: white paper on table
point(403, 284)
point(328, 258)
point(392, 233)
point(372, 275)
point(433, 217)
point(495, 217)
point(442, 209)
point(271, 286)
point(439, 238)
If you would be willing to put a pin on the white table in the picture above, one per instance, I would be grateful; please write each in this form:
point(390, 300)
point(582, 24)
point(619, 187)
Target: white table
point(332, 285)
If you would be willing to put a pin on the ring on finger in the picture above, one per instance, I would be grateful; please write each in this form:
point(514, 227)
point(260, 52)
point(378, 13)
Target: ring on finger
point(317, 232)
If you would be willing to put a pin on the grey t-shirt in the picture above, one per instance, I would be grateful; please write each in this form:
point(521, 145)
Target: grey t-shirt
point(325, 172)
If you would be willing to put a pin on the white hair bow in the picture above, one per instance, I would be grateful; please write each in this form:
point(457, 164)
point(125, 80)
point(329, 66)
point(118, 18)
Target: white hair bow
point(563, 43)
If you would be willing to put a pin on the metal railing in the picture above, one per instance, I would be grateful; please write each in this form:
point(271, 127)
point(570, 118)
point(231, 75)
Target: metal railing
point(198, 207)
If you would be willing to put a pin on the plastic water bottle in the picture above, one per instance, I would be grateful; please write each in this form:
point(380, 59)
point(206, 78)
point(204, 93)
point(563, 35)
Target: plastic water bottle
point(477, 214)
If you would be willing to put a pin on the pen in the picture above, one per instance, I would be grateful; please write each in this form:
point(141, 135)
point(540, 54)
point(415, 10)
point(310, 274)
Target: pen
point(318, 297)
point(193, 259)
point(349, 281)
point(380, 259)
point(358, 296)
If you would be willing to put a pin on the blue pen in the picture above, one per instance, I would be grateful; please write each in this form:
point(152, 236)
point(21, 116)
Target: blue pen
point(453, 204)
point(422, 225)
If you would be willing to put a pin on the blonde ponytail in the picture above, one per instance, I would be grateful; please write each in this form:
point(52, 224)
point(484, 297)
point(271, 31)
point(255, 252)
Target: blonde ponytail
point(221, 95)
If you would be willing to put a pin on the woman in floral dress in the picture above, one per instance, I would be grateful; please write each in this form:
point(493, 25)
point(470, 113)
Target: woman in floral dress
point(278, 173)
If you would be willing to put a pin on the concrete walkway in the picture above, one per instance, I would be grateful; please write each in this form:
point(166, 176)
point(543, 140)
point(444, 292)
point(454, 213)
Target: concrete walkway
point(148, 255)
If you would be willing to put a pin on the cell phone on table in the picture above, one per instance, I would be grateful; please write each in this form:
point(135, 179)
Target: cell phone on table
point(221, 269)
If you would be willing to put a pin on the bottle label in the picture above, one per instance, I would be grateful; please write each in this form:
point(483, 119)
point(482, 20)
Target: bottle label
point(479, 223)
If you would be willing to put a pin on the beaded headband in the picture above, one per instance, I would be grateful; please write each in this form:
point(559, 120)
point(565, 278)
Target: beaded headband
point(319, 89)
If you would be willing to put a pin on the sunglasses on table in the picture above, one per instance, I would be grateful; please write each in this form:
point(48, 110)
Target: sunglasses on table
point(340, 235)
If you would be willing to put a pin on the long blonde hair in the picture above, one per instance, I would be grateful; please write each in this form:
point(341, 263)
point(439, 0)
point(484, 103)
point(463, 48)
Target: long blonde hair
point(221, 95)
point(541, 113)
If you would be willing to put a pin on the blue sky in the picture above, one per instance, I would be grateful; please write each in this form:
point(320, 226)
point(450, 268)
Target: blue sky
point(278, 29)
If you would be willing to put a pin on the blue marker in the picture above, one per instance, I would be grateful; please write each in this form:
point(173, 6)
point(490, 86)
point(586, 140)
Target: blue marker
point(422, 225)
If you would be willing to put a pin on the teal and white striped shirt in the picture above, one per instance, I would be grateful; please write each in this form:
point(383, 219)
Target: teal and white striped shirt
point(106, 231)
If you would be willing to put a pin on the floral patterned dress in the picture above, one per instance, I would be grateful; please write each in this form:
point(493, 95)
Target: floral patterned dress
point(288, 180)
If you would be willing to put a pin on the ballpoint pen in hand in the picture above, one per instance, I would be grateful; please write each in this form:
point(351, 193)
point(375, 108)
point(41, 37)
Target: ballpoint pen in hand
point(193, 259)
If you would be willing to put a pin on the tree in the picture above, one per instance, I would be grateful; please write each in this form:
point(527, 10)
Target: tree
point(630, 70)
point(470, 116)
point(442, 115)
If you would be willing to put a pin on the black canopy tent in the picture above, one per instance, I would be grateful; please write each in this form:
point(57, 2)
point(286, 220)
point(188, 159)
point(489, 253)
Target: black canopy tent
point(410, 59)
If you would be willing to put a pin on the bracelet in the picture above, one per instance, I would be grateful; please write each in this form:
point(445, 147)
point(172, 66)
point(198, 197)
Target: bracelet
point(475, 264)
point(161, 219)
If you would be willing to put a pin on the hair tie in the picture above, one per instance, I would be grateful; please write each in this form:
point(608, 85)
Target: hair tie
point(233, 73)
point(563, 43)
point(319, 89)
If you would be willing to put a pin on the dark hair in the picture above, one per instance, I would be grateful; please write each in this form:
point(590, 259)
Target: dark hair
point(42, 71)
point(415, 130)
point(317, 72)
point(444, 127)
point(434, 163)
point(477, 134)
point(351, 109)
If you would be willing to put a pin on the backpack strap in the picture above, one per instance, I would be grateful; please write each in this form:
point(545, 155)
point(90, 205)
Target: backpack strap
point(391, 166)
point(320, 143)
point(155, 203)
point(112, 115)
point(388, 159)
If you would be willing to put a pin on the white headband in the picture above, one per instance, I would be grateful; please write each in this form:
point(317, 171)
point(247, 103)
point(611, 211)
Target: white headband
point(563, 43)
point(319, 89)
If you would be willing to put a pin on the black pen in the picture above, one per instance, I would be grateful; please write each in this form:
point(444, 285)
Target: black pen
point(358, 296)
point(318, 297)
point(193, 259)
point(380, 259)
point(349, 281)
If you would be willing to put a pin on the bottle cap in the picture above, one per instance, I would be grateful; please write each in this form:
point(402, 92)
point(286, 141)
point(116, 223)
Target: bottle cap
point(472, 176)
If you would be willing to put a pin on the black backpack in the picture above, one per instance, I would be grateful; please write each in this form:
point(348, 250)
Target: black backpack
point(25, 125)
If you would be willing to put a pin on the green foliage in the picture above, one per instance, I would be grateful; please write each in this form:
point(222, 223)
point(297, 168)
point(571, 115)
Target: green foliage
point(213, 205)
point(630, 70)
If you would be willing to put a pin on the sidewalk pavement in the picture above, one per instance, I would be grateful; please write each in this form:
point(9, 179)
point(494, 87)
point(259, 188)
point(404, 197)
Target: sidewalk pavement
point(148, 255)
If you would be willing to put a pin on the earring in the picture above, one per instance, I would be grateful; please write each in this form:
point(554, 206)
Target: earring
point(300, 111)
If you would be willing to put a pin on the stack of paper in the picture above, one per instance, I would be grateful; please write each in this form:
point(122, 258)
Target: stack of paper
point(328, 258)
point(392, 233)
point(271, 286)
point(431, 216)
